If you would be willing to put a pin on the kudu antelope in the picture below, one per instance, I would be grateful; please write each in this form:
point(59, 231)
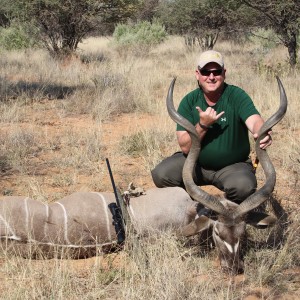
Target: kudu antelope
point(230, 226)
point(82, 222)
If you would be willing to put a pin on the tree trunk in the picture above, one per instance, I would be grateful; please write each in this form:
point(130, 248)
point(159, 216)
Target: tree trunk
point(292, 49)
point(208, 40)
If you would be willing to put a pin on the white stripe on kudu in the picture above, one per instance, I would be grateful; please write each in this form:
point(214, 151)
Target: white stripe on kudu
point(65, 223)
point(105, 209)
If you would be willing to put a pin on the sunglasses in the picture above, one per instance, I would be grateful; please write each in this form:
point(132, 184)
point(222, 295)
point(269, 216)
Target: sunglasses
point(205, 72)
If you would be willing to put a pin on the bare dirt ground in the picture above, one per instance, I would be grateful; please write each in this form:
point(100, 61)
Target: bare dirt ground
point(47, 121)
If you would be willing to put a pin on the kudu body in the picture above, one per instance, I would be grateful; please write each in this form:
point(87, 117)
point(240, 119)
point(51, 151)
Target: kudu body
point(82, 221)
point(229, 227)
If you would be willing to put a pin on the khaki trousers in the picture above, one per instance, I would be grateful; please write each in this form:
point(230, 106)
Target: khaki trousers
point(238, 181)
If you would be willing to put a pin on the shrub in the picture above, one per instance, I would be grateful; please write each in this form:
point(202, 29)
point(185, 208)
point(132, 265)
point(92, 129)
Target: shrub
point(16, 37)
point(142, 35)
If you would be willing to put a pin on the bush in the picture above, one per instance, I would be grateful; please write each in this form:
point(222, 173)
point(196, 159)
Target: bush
point(16, 37)
point(142, 35)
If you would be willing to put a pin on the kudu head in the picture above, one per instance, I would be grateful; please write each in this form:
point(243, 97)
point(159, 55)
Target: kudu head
point(230, 225)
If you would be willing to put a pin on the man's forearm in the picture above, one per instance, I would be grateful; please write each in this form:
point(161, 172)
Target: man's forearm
point(184, 139)
point(201, 130)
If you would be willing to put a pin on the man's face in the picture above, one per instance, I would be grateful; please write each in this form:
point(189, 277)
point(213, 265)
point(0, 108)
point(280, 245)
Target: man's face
point(211, 82)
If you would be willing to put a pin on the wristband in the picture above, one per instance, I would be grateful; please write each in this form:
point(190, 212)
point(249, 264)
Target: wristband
point(203, 126)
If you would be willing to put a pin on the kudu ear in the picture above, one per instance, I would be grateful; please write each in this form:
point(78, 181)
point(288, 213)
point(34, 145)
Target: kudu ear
point(200, 224)
point(260, 219)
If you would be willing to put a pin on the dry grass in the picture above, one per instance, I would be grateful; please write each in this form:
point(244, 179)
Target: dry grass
point(60, 120)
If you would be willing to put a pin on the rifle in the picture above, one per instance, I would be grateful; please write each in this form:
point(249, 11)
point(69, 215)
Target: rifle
point(116, 210)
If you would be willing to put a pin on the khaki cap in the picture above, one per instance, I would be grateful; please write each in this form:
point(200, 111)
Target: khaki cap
point(210, 56)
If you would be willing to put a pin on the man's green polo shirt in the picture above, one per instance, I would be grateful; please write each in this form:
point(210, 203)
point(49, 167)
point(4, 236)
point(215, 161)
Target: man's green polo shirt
point(227, 141)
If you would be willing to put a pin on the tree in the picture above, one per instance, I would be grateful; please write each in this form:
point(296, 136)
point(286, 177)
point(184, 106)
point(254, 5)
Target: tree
point(147, 10)
point(62, 24)
point(200, 21)
point(284, 18)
